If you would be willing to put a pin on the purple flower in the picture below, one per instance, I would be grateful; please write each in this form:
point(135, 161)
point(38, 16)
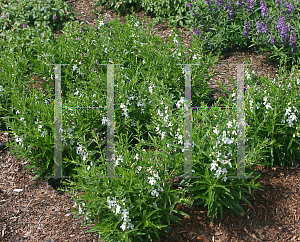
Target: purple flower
point(265, 28)
point(259, 26)
point(220, 3)
point(293, 42)
point(54, 16)
point(264, 9)
point(262, 29)
point(283, 30)
point(247, 28)
point(208, 2)
point(189, 5)
point(252, 4)
point(290, 7)
point(197, 32)
point(61, 19)
point(3, 15)
point(25, 25)
point(272, 39)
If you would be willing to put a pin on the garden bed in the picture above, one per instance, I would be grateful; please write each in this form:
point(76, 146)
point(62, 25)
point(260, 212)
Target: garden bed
point(37, 212)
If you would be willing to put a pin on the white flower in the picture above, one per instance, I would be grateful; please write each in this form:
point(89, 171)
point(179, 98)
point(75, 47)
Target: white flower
point(213, 165)
point(130, 226)
point(268, 106)
point(104, 120)
point(265, 99)
point(152, 181)
point(101, 23)
point(76, 93)
point(159, 113)
point(287, 111)
point(19, 140)
point(163, 135)
point(123, 227)
point(247, 75)
point(166, 118)
point(118, 207)
point(216, 131)
point(139, 168)
point(136, 157)
point(218, 172)
point(229, 124)
point(224, 178)
point(75, 67)
point(180, 139)
point(139, 104)
point(1, 90)
point(181, 101)
point(157, 176)
point(154, 193)
point(125, 213)
point(150, 87)
point(119, 159)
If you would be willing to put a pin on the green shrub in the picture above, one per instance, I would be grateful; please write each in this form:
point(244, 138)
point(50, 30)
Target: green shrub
point(175, 11)
point(23, 13)
point(120, 5)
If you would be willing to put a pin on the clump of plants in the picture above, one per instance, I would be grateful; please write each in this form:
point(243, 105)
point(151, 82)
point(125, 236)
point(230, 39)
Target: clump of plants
point(137, 203)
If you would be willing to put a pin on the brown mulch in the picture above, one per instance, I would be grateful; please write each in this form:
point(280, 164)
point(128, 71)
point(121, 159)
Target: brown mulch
point(41, 213)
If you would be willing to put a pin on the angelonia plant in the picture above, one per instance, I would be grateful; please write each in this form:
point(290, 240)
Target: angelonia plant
point(272, 25)
point(138, 204)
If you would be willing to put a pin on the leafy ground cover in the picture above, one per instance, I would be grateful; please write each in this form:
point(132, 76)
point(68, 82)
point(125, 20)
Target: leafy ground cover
point(274, 125)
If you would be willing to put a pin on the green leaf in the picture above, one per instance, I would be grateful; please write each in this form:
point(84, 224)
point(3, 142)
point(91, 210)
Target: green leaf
point(180, 212)
point(290, 143)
